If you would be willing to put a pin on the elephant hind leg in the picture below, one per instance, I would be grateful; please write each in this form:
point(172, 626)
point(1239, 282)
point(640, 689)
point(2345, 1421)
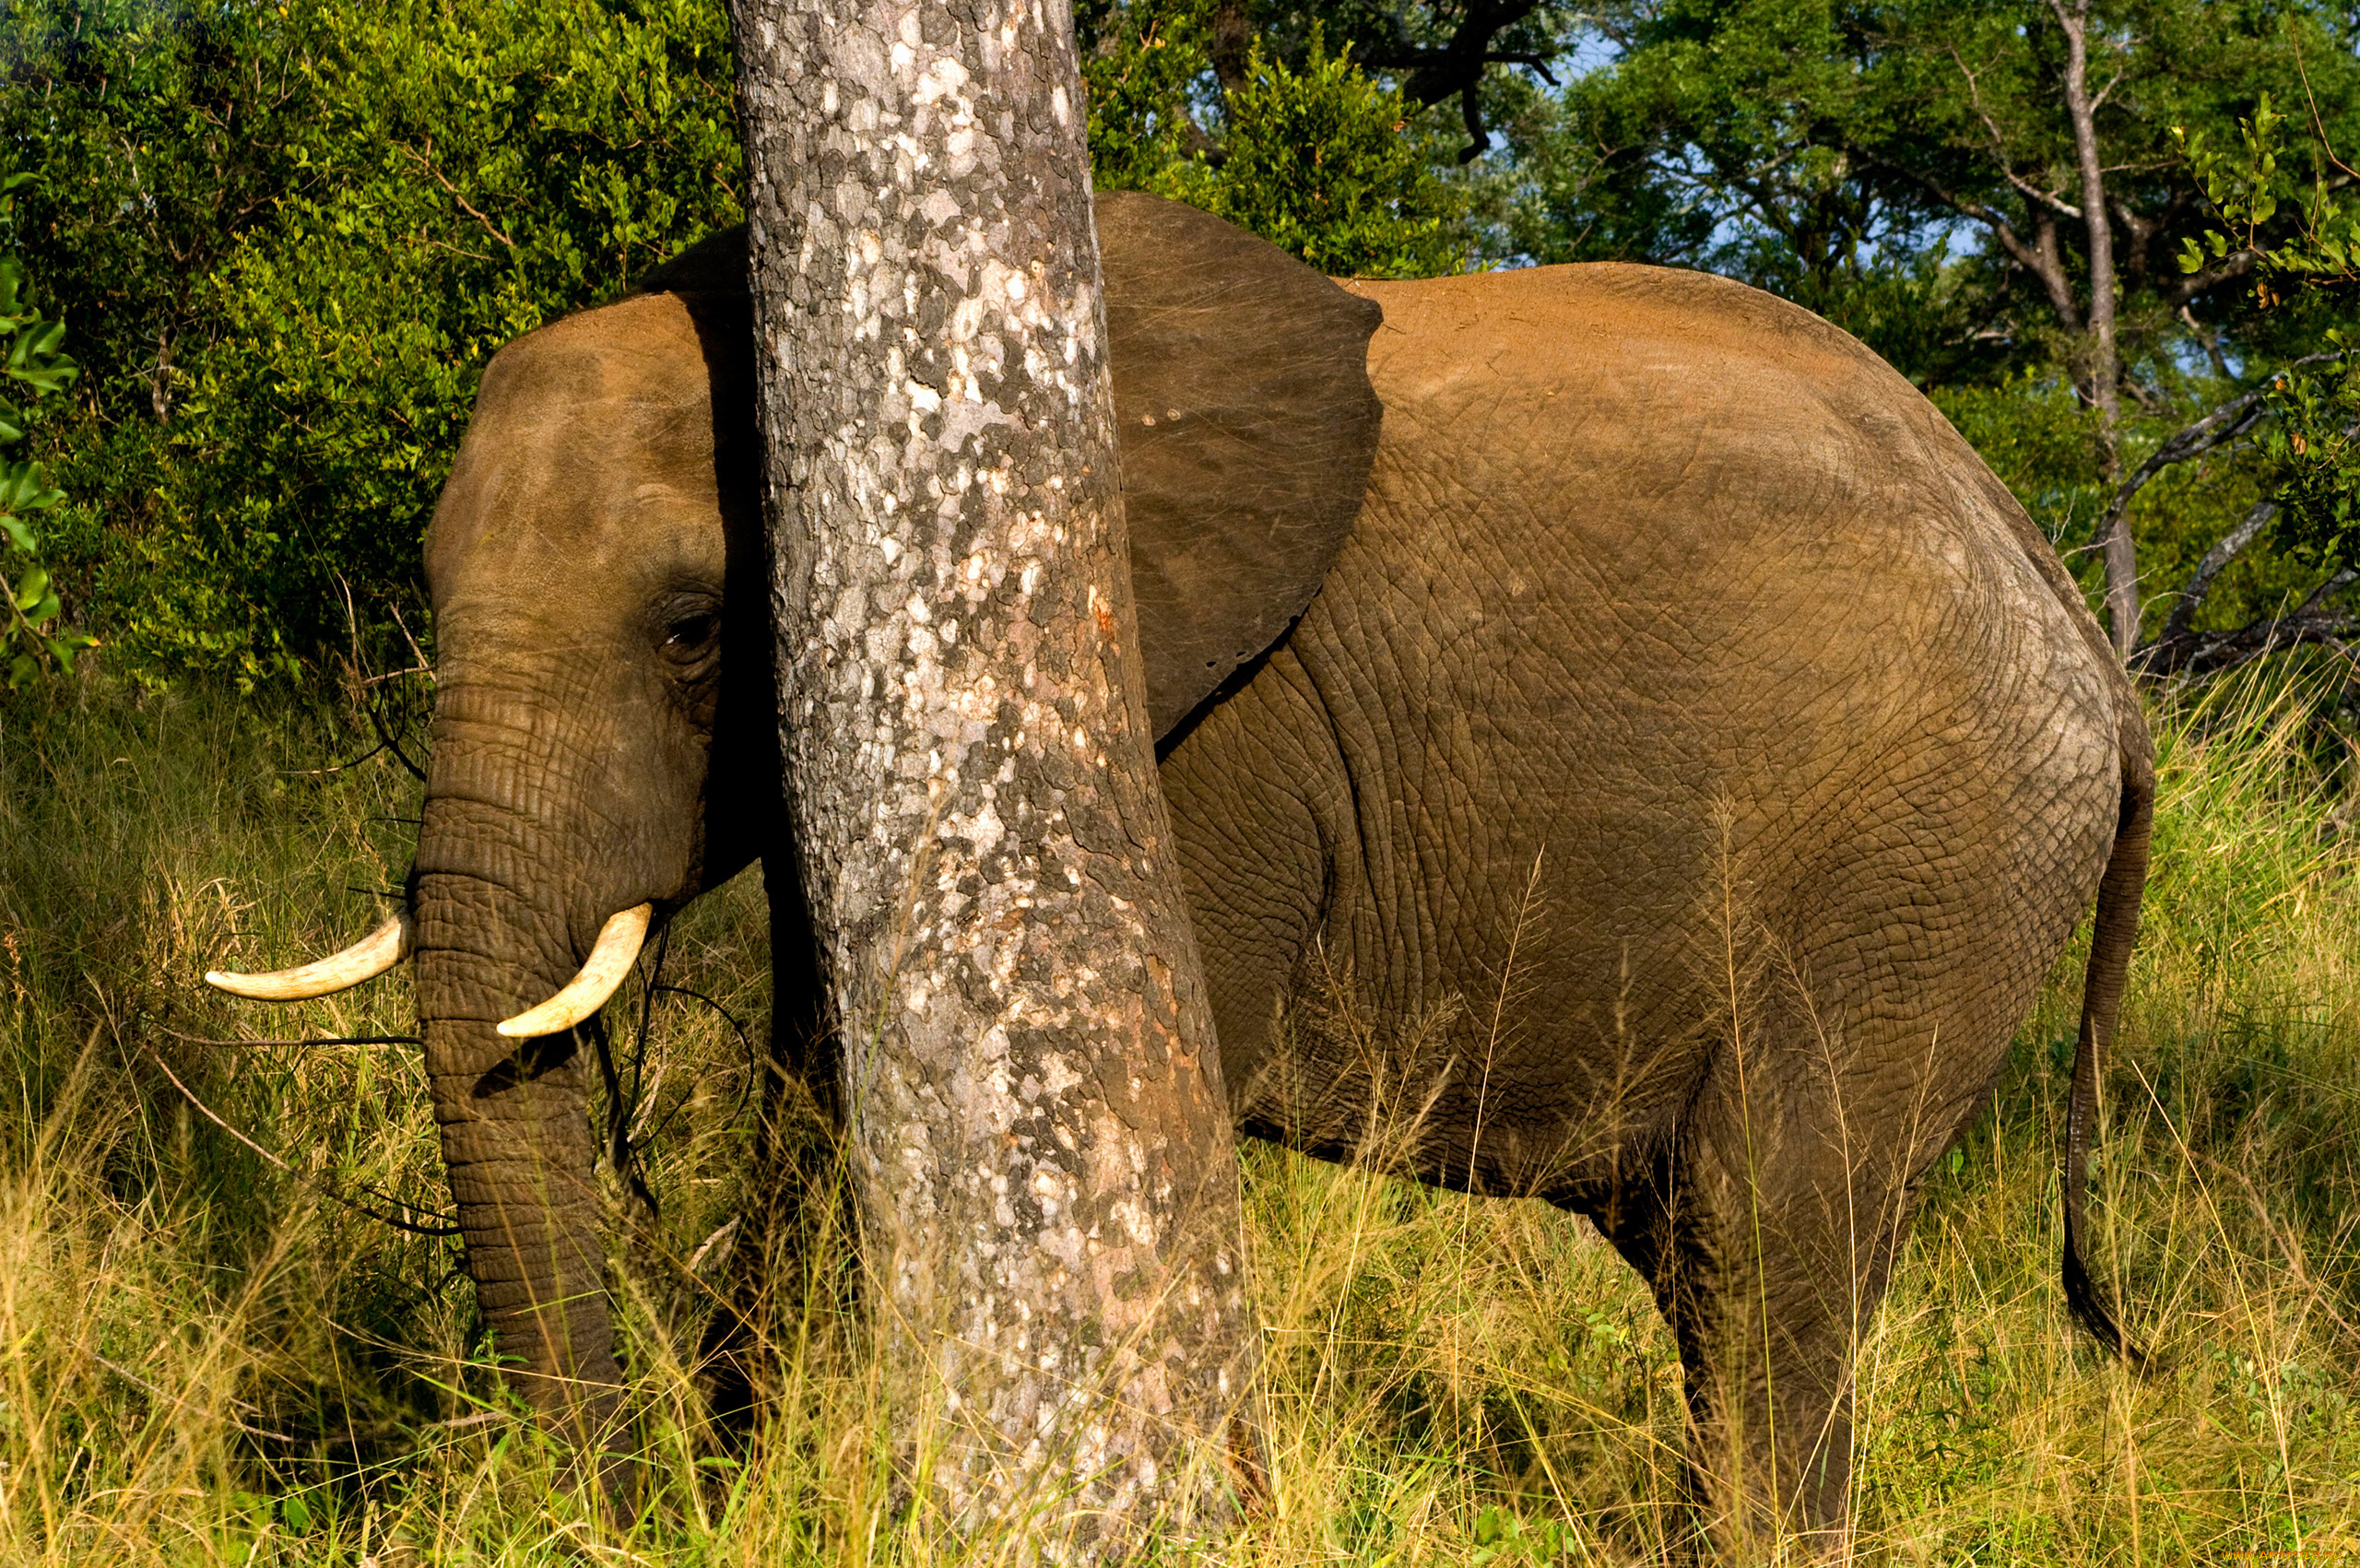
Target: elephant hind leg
point(1768, 1247)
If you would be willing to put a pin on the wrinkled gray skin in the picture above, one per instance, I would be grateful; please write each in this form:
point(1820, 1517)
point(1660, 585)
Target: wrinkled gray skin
point(1686, 698)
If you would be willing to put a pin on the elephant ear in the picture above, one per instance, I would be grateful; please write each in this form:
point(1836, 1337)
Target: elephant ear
point(1243, 412)
point(714, 265)
point(1247, 426)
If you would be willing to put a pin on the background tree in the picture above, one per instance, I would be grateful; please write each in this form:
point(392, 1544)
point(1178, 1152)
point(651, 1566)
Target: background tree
point(1313, 155)
point(1035, 1126)
point(1921, 174)
point(288, 238)
point(2300, 240)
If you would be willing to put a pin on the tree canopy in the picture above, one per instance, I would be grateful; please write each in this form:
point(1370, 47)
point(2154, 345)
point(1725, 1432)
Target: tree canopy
point(284, 239)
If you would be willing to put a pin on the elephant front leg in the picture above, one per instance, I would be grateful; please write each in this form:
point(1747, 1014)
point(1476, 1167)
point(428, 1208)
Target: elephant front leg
point(797, 1217)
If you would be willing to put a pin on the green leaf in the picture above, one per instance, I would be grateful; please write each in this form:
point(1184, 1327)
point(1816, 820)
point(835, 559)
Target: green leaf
point(34, 358)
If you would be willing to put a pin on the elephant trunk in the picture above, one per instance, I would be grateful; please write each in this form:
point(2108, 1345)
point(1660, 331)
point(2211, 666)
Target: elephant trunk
point(514, 1117)
point(499, 929)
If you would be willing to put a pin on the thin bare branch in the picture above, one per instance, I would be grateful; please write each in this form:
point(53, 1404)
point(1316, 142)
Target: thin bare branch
point(306, 1178)
point(333, 768)
point(2225, 550)
point(313, 1040)
point(2222, 425)
point(2209, 338)
point(1999, 145)
point(425, 161)
point(385, 739)
point(2107, 91)
point(2319, 126)
point(2044, 268)
point(417, 653)
point(2202, 655)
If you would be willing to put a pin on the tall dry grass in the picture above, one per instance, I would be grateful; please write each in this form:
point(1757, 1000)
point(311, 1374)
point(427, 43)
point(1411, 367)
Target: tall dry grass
point(209, 1355)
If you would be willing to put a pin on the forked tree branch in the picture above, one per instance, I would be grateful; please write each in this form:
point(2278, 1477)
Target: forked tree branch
point(2219, 426)
point(2200, 655)
point(2226, 549)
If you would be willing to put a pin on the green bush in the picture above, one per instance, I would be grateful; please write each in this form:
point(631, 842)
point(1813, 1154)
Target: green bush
point(32, 368)
point(1317, 159)
point(296, 234)
point(289, 238)
point(1326, 163)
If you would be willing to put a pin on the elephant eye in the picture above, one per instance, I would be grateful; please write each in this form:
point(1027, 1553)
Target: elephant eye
point(691, 632)
point(692, 636)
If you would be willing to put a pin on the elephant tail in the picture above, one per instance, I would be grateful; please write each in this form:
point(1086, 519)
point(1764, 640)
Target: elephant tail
point(2115, 928)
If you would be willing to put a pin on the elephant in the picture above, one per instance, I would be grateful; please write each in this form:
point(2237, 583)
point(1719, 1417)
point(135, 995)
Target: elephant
point(1622, 649)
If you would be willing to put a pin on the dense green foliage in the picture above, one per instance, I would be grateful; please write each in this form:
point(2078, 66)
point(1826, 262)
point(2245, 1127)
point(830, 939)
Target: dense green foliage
point(2311, 440)
point(289, 238)
point(32, 367)
point(1315, 157)
point(1323, 161)
point(1863, 159)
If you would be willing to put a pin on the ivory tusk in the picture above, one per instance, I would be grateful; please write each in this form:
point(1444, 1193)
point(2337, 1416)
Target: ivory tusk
point(611, 959)
point(365, 960)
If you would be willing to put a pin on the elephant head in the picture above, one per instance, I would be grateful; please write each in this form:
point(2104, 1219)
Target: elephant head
point(604, 742)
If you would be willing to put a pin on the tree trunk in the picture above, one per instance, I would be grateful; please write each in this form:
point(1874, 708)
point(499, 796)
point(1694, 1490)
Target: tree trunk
point(1230, 45)
point(2103, 364)
point(1038, 1137)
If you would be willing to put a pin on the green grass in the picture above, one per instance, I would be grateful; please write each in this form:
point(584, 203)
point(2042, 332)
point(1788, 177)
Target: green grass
point(206, 1360)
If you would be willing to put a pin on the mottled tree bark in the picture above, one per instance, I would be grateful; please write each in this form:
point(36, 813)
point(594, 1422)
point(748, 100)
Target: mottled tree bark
point(1038, 1135)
